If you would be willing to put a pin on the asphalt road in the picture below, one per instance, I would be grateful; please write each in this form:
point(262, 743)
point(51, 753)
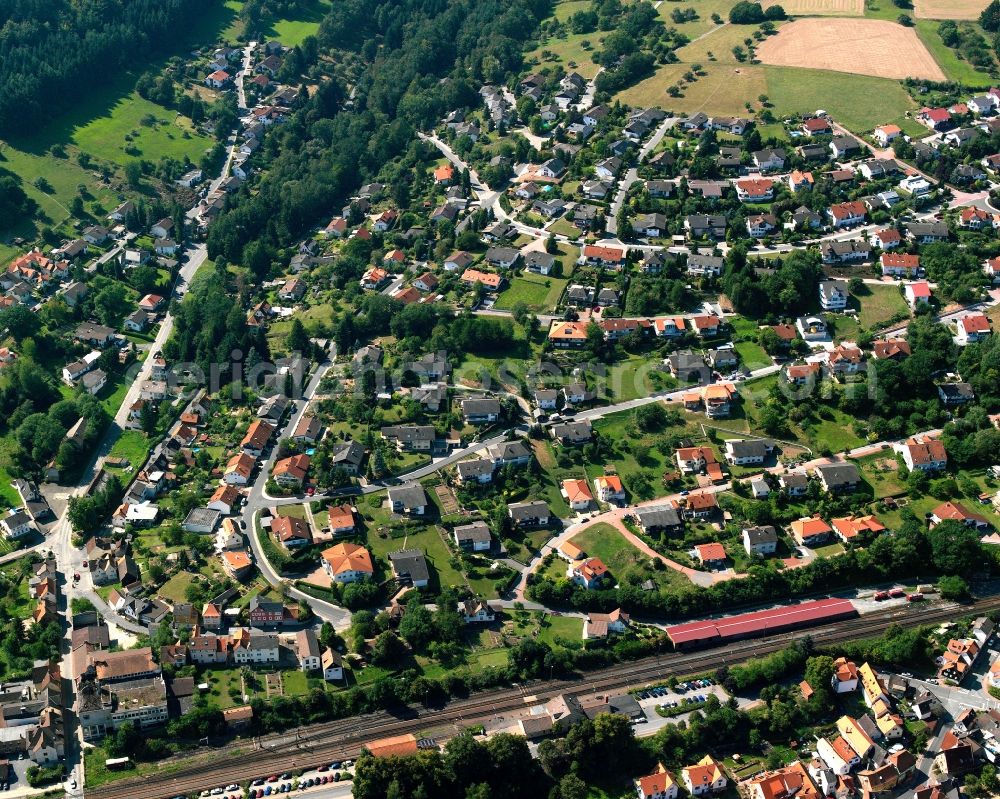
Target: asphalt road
point(257, 500)
point(60, 539)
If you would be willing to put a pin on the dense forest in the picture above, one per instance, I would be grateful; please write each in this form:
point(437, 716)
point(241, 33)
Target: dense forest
point(432, 56)
point(51, 50)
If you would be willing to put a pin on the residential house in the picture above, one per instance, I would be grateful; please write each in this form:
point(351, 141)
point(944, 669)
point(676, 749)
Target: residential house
point(659, 519)
point(900, 264)
point(347, 563)
point(810, 531)
point(292, 532)
point(891, 349)
point(955, 393)
point(480, 411)
point(833, 295)
point(705, 226)
point(291, 472)
point(535, 513)
point(408, 499)
point(707, 776)
point(838, 478)
point(307, 650)
point(748, 451)
point(475, 537)
point(760, 540)
point(794, 484)
point(886, 134)
point(926, 455)
point(886, 239)
point(609, 488)
point(917, 293)
point(769, 160)
point(848, 528)
point(705, 265)
point(847, 214)
point(589, 573)
point(601, 625)
point(410, 438)
point(957, 512)
point(476, 611)
point(409, 567)
point(754, 190)
point(577, 494)
point(711, 556)
point(973, 328)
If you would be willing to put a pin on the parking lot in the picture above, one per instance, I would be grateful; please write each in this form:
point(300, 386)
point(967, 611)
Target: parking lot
point(335, 774)
point(693, 698)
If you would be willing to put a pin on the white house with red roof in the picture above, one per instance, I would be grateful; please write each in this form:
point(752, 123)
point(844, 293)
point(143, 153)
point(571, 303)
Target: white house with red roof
point(847, 214)
point(588, 573)
point(900, 264)
point(934, 118)
point(972, 218)
point(609, 488)
point(151, 303)
point(611, 257)
point(973, 328)
point(755, 190)
point(658, 785)
point(218, 79)
point(916, 293)
point(992, 269)
point(887, 239)
point(886, 134)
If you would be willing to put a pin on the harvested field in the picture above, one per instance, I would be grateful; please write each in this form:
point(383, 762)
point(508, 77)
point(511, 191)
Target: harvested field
point(858, 46)
point(833, 8)
point(948, 9)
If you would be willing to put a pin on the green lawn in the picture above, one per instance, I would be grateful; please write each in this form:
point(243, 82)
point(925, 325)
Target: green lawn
point(567, 8)
point(170, 135)
point(882, 9)
point(655, 460)
point(64, 176)
point(845, 327)
point(7, 494)
point(846, 97)
point(880, 473)
point(112, 395)
point(537, 292)
point(569, 52)
point(174, 588)
point(726, 86)
point(607, 543)
point(879, 304)
point(98, 774)
point(292, 32)
point(428, 540)
point(133, 445)
point(563, 227)
point(954, 67)
point(752, 355)
point(704, 9)
point(295, 683)
point(552, 629)
point(835, 434)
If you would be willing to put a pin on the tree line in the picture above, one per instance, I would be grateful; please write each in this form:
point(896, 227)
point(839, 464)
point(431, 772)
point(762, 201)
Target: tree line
point(912, 551)
point(52, 50)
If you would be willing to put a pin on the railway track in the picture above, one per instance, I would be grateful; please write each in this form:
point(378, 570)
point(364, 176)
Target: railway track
point(344, 738)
